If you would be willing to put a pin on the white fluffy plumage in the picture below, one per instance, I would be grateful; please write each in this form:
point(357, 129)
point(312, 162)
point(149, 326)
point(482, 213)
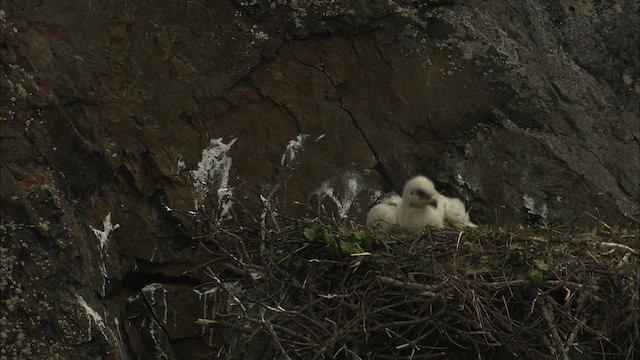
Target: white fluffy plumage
point(418, 208)
point(421, 205)
point(383, 215)
point(455, 213)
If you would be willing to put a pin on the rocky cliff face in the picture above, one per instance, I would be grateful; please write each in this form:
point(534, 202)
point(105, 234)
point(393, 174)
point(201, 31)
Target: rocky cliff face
point(119, 119)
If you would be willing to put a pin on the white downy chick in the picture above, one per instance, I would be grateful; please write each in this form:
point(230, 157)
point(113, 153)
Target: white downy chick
point(419, 208)
point(455, 212)
point(383, 215)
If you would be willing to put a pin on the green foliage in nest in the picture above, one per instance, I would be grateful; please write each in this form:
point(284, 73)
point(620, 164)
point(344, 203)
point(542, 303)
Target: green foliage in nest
point(340, 243)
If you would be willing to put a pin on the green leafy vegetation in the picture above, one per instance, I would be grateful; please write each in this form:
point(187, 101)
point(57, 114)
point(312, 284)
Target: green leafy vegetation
point(340, 243)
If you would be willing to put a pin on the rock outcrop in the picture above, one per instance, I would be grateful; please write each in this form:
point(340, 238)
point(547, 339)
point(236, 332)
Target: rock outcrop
point(120, 118)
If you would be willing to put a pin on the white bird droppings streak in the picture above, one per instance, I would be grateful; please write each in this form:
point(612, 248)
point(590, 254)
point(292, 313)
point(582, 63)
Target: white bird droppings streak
point(151, 289)
point(206, 295)
point(213, 169)
point(155, 328)
point(343, 202)
point(95, 318)
point(103, 235)
point(164, 302)
point(351, 191)
point(180, 163)
point(118, 328)
point(103, 238)
point(293, 148)
point(154, 331)
point(529, 204)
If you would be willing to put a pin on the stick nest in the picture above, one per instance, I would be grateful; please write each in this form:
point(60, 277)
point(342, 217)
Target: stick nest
point(312, 290)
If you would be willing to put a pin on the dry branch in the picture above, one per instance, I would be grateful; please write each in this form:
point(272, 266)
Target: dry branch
point(619, 246)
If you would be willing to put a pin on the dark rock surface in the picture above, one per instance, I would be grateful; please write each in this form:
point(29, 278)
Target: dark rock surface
point(109, 111)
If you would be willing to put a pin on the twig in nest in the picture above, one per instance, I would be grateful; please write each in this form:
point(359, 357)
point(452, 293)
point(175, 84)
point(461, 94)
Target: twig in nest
point(458, 241)
point(599, 221)
point(205, 322)
point(423, 289)
point(558, 348)
point(273, 334)
point(506, 283)
point(619, 246)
